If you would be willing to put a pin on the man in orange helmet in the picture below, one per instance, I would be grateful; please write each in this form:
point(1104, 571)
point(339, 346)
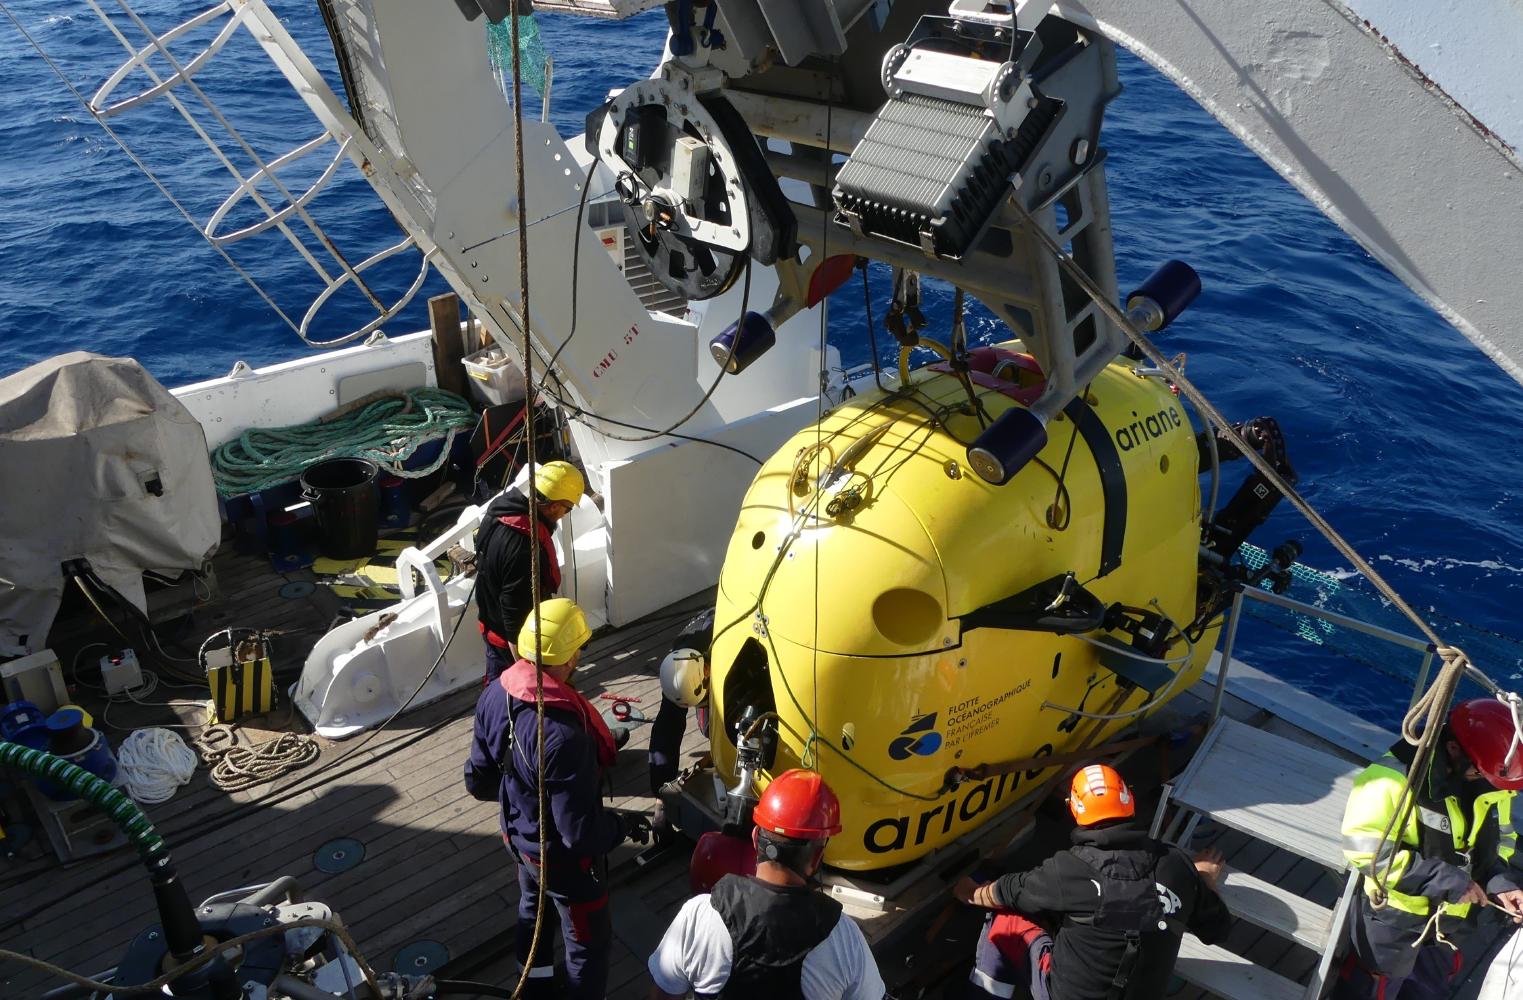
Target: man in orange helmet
point(1458, 851)
point(771, 935)
point(1118, 902)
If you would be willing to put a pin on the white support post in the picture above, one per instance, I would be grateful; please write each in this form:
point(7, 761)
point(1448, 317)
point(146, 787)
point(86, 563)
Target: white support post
point(1234, 615)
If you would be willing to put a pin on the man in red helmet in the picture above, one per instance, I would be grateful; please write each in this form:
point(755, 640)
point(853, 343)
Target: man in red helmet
point(771, 935)
point(1458, 847)
point(1117, 903)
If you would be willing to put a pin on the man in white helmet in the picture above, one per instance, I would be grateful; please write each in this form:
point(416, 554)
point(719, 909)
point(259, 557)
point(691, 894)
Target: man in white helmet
point(684, 685)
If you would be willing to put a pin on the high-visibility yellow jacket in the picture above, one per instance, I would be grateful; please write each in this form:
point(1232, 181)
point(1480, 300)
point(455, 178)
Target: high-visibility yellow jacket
point(1435, 858)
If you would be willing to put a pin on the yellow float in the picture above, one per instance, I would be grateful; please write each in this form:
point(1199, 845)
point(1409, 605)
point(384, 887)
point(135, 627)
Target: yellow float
point(888, 605)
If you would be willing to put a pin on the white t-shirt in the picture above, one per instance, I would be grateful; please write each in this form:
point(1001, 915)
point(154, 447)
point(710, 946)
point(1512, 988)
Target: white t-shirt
point(696, 955)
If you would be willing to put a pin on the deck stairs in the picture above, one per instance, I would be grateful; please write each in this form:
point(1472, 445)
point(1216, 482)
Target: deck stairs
point(1289, 796)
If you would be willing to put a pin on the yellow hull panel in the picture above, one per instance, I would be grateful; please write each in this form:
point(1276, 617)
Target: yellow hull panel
point(846, 622)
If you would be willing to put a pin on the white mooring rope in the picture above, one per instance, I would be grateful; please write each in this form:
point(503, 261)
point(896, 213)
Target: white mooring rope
point(155, 763)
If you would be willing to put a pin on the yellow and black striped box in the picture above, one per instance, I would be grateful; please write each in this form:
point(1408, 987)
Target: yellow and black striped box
point(241, 681)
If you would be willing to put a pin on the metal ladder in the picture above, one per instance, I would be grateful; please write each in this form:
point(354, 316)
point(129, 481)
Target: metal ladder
point(165, 66)
point(1284, 794)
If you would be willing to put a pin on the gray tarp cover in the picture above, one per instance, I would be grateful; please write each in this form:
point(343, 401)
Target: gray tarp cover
point(82, 437)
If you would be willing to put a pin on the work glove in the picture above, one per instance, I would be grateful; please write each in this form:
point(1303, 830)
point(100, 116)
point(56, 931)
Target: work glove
point(636, 827)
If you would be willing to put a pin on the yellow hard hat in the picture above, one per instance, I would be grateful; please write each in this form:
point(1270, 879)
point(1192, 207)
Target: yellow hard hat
point(559, 482)
point(563, 632)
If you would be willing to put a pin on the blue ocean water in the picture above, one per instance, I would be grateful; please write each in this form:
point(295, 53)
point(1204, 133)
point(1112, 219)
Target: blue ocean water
point(1404, 435)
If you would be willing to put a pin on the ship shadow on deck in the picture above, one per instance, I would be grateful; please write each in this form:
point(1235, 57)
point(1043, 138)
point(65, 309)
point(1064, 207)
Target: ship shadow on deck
point(434, 867)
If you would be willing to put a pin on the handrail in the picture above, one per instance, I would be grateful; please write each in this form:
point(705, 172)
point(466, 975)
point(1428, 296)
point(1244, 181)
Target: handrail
point(1234, 615)
point(1342, 621)
point(544, 110)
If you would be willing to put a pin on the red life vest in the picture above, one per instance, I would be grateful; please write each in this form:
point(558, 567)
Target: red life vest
point(550, 565)
point(518, 682)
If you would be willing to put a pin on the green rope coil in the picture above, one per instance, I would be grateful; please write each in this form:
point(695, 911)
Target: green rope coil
point(387, 432)
point(109, 800)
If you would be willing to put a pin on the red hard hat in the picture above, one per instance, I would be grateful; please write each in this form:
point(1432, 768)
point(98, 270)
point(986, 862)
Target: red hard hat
point(800, 805)
point(717, 855)
point(1484, 729)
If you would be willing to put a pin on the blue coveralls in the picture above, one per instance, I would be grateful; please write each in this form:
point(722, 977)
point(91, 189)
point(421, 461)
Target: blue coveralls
point(579, 836)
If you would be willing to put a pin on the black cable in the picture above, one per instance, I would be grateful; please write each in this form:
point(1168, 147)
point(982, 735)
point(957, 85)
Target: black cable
point(586, 415)
point(466, 988)
point(576, 260)
point(872, 331)
point(724, 367)
point(1062, 477)
point(820, 195)
point(649, 433)
point(151, 649)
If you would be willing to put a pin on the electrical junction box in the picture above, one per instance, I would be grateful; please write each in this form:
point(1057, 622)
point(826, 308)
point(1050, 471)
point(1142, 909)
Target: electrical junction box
point(120, 671)
point(37, 678)
point(690, 169)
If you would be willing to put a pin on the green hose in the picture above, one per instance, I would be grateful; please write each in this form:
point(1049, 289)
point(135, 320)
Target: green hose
point(109, 800)
point(386, 431)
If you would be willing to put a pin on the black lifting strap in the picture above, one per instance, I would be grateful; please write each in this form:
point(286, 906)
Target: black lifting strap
point(1125, 969)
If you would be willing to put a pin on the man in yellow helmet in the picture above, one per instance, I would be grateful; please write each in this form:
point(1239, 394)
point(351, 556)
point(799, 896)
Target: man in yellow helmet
point(504, 593)
point(577, 831)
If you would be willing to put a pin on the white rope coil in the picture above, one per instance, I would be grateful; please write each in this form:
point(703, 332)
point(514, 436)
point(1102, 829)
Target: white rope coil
point(155, 763)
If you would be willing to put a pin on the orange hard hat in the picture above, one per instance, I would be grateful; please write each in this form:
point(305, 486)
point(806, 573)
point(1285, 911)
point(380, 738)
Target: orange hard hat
point(1484, 729)
point(800, 805)
point(1099, 794)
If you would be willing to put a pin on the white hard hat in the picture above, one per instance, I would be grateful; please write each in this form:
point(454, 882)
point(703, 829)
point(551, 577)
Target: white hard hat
point(683, 678)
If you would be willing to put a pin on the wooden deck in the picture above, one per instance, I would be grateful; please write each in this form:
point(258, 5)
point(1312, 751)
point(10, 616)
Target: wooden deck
point(434, 868)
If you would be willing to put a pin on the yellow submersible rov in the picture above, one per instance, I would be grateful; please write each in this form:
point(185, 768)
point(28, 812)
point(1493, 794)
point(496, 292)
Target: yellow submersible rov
point(892, 614)
point(1001, 556)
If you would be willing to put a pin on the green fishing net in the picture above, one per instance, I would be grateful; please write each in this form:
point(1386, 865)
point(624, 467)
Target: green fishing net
point(534, 60)
point(1499, 655)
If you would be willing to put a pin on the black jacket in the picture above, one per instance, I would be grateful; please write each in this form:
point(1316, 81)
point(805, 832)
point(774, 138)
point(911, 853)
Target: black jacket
point(1110, 881)
point(503, 593)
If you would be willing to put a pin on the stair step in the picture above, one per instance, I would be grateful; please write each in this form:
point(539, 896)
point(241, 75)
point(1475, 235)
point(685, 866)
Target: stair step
point(1270, 788)
point(1277, 910)
point(1230, 975)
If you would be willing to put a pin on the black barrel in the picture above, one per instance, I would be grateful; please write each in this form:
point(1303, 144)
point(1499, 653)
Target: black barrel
point(344, 492)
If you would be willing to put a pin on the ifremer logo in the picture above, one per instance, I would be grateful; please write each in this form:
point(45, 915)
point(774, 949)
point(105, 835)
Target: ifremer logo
point(918, 739)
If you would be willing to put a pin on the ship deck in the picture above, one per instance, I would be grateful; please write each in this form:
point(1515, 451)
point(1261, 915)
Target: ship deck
point(433, 866)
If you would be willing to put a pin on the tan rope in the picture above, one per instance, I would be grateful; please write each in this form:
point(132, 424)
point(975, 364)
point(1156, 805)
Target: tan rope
point(1438, 935)
point(1421, 727)
point(530, 461)
point(234, 767)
